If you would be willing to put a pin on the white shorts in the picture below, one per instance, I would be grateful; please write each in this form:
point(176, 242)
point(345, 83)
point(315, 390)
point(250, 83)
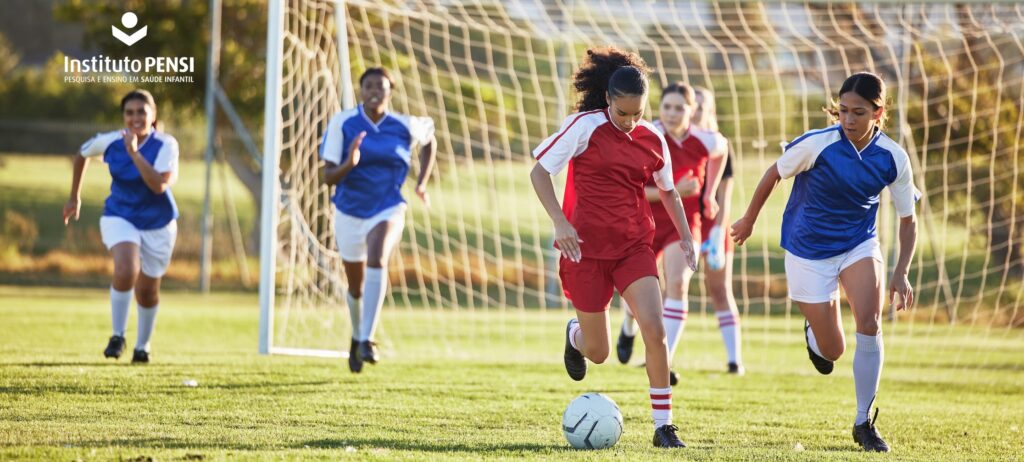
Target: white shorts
point(350, 232)
point(155, 245)
point(817, 281)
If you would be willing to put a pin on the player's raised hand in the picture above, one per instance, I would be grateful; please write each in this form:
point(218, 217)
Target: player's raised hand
point(568, 241)
point(421, 190)
point(353, 149)
point(71, 210)
point(688, 186)
point(131, 143)
point(689, 252)
point(742, 229)
point(710, 206)
point(900, 285)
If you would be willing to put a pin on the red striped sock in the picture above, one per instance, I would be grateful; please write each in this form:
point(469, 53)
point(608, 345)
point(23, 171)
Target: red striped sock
point(661, 406)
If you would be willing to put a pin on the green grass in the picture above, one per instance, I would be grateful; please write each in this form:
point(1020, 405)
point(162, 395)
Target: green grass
point(476, 385)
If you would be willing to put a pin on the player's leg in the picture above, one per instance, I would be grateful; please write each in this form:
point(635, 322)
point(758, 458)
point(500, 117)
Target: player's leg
point(676, 307)
point(380, 242)
point(350, 236)
point(864, 284)
point(155, 256)
point(627, 335)
point(122, 239)
point(644, 295)
point(718, 284)
point(814, 286)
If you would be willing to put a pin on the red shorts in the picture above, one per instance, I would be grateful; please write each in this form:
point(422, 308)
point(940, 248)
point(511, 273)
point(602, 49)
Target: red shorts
point(589, 284)
point(665, 232)
point(705, 230)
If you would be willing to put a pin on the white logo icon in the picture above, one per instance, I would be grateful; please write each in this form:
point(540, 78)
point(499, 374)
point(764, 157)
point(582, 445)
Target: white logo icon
point(129, 20)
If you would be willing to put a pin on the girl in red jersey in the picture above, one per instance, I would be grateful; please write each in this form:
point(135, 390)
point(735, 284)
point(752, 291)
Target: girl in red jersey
point(606, 242)
point(696, 155)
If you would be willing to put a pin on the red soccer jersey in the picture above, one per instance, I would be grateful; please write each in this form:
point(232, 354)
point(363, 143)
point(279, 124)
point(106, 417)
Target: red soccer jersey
point(689, 156)
point(609, 170)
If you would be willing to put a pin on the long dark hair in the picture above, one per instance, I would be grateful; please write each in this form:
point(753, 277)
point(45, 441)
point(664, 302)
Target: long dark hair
point(141, 95)
point(866, 85)
point(608, 71)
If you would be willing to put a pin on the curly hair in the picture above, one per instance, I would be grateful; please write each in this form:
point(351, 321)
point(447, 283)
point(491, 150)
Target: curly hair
point(594, 79)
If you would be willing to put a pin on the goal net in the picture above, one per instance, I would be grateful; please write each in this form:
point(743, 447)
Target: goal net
point(495, 76)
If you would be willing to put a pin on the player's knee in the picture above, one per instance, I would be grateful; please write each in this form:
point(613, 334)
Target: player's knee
point(833, 351)
point(868, 325)
point(124, 276)
point(355, 291)
point(147, 297)
point(597, 354)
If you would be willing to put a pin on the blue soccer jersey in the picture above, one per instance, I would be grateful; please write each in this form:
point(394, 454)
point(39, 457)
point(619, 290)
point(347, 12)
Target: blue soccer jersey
point(834, 201)
point(130, 198)
point(375, 183)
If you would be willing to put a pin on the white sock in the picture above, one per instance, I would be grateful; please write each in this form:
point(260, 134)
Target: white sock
point(147, 322)
point(120, 302)
point(373, 296)
point(867, 370)
point(674, 319)
point(729, 325)
point(661, 406)
point(629, 325)
point(354, 312)
point(572, 334)
point(813, 343)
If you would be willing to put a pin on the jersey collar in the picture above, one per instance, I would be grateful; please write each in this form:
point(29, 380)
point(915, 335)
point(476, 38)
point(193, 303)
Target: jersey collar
point(375, 126)
point(874, 139)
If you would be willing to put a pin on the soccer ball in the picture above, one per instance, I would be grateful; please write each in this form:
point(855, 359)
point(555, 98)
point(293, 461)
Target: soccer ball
point(592, 421)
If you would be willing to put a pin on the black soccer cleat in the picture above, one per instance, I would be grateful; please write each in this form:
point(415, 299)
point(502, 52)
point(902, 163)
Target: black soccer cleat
point(736, 369)
point(575, 363)
point(823, 365)
point(115, 347)
point(866, 435)
point(673, 378)
point(624, 347)
point(355, 363)
point(368, 351)
point(140, 357)
point(665, 437)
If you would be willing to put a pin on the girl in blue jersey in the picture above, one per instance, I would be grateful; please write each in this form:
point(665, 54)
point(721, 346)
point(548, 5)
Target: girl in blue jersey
point(828, 232)
point(139, 217)
point(367, 151)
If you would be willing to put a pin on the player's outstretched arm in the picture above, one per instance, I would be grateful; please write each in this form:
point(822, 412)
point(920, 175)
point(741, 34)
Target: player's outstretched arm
point(333, 173)
point(428, 154)
point(565, 234)
point(672, 202)
point(899, 283)
point(74, 204)
point(743, 227)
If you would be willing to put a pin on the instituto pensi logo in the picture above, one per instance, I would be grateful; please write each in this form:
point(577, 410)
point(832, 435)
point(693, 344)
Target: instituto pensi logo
point(129, 21)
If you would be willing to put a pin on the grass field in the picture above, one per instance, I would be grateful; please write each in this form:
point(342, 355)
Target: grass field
point(471, 386)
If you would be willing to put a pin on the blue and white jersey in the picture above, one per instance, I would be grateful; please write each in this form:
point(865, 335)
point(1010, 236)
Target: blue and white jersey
point(375, 183)
point(130, 198)
point(834, 201)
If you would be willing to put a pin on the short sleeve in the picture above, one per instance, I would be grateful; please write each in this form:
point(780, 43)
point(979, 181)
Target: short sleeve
point(421, 129)
point(98, 144)
point(904, 194)
point(570, 141)
point(167, 158)
point(331, 145)
point(663, 177)
point(798, 157)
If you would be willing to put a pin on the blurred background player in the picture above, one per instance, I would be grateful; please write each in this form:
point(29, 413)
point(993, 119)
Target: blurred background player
point(367, 152)
point(697, 156)
point(606, 232)
point(717, 246)
point(139, 223)
point(828, 231)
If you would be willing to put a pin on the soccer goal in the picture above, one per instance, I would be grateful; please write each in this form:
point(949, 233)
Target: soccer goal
point(495, 76)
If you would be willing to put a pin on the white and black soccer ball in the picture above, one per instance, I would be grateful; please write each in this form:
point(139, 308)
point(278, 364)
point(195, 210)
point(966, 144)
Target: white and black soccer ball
point(592, 421)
